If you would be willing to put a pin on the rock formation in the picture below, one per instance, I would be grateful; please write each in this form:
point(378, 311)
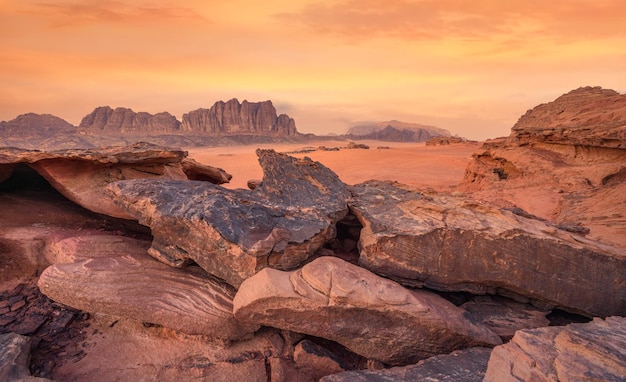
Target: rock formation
point(565, 161)
point(141, 288)
point(121, 120)
point(577, 352)
point(467, 365)
point(15, 358)
point(334, 299)
point(31, 125)
point(232, 234)
point(451, 243)
point(81, 175)
point(233, 117)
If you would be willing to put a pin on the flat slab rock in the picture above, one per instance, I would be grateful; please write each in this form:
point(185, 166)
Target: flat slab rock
point(372, 316)
point(81, 175)
point(454, 244)
point(232, 234)
point(467, 365)
point(594, 351)
point(143, 289)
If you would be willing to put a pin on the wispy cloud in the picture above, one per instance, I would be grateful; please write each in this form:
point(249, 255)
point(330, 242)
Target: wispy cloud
point(78, 13)
point(480, 19)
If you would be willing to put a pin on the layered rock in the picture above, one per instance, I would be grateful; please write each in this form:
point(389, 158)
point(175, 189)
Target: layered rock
point(565, 161)
point(121, 120)
point(199, 171)
point(372, 316)
point(82, 175)
point(234, 233)
point(31, 125)
point(595, 351)
point(467, 365)
point(141, 288)
point(589, 116)
point(455, 244)
point(233, 117)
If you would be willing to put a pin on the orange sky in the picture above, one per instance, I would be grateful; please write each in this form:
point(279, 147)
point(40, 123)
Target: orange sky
point(472, 67)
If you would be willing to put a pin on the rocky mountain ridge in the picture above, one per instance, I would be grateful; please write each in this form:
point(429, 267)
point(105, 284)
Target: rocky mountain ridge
point(396, 131)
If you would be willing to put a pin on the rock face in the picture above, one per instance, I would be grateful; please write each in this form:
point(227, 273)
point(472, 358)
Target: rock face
point(141, 288)
point(199, 171)
point(589, 116)
point(105, 120)
point(578, 352)
point(232, 234)
point(451, 243)
point(467, 365)
point(372, 316)
point(81, 175)
point(565, 161)
point(233, 117)
point(35, 125)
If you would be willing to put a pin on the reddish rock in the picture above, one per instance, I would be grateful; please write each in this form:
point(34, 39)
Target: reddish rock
point(91, 245)
point(595, 351)
point(455, 244)
point(199, 171)
point(105, 120)
point(372, 316)
point(141, 288)
point(15, 357)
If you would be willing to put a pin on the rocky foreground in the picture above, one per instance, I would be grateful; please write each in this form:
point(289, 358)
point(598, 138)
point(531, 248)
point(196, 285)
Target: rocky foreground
point(149, 272)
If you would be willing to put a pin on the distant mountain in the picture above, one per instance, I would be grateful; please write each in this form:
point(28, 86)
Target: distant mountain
point(105, 120)
point(396, 131)
point(39, 125)
point(232, 117)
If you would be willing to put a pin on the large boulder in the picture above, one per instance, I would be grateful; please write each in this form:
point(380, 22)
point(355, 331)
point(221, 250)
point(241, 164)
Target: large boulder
point(595, 351)
point(455, 244)
point(141, 288)
point(232, 234)
point(81, 175)
point(466, 365)
point(372, 316)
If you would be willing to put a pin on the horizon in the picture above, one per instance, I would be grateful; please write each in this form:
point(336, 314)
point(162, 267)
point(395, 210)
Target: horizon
point(472, 69)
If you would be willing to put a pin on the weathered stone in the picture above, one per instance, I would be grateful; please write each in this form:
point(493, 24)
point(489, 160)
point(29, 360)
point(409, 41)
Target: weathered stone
point(594, 351)
point(234, 233)
point(315, 360)
point(105, 120)
point(455, 244)
point(504, 316)
point(199, 171)
point(14, 359)
point(141, 288)
point(81, 175)
point(589, 116)
point(372, 316)
point(233, 117)
point(467, 365)
point(87, 246)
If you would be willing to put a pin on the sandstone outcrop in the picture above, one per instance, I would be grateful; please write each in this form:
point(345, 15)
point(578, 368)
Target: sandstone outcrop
point(199, 171)
point(467, 365)
point(121, 120)
point(74, 247)
point(565, 161)
point(595, 351)
point(31, 125)
point(455, 244)
point(81, 175)
point(141, 288)
point(589, 116)
point(233, 117)
point(372, 316)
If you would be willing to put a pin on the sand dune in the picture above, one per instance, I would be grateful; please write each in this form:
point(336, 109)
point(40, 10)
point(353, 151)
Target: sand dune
point(438, 167)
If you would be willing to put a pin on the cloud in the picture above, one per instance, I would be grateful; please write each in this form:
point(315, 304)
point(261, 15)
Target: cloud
point(77, 13)
point(357, 20)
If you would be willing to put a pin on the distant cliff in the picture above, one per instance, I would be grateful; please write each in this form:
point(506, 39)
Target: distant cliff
point(39, 125)
point(232, 117)
point(396, 131)
point(105, 120)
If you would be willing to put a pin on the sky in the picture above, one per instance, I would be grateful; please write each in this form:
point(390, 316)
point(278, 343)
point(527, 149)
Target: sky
point(472, 67)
